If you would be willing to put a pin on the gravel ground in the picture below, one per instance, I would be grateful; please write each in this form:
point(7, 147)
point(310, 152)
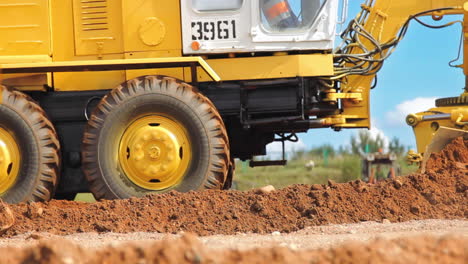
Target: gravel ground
point(308, 238)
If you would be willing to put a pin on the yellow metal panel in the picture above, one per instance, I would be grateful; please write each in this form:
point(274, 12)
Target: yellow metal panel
point(151, 25)
point(26, 81)
point(87, 81)
point(173, 72)
point(270, 67)
point(24, 27)
point(98, 26)
point(64, 50)
point(73, 81)
point(25, 59)
point(106, 65)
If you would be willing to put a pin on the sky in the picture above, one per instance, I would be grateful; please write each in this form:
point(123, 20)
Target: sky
point(411, 79)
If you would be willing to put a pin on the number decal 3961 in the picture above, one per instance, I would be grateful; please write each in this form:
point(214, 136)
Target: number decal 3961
point(214, 30)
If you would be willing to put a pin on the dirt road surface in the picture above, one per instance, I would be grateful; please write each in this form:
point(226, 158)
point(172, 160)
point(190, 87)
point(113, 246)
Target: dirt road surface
point(420, 218)
point(309, 238)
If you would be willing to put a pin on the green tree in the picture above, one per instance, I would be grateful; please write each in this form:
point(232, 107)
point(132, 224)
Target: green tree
point(396, 147)
point(319, 151)
point(364, 142)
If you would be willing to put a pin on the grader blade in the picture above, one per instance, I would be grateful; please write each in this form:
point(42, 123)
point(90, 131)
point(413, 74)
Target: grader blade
point(443, 136)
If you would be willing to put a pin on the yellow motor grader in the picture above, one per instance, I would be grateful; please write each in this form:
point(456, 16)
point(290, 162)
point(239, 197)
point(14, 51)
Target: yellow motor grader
point(128, 97)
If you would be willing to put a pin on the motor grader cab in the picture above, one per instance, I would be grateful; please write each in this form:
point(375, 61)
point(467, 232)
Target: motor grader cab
point(129, 97)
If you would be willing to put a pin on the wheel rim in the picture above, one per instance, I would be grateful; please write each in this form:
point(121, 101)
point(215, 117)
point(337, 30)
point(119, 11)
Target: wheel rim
point(9, 160)
point(155, 152)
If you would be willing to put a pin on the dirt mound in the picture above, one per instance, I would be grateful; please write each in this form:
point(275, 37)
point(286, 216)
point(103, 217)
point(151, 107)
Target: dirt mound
point(453, 157)
point(7, 218)
point(441, 194)
point(188, 249)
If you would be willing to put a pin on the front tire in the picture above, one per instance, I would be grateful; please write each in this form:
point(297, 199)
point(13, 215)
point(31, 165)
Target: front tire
point(30, 150)
point(154, 134)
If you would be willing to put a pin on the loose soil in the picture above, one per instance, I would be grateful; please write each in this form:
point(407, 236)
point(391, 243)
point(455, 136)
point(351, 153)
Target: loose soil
point(441, 193)
point(7, 218)
point(189, 249)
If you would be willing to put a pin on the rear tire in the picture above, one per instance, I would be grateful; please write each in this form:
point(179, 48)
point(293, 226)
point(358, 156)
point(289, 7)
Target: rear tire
point(108, 143)
point(39, 150)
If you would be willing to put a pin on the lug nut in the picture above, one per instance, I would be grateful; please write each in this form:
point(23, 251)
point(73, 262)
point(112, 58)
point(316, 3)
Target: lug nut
point(138, 156)
point(153, 169)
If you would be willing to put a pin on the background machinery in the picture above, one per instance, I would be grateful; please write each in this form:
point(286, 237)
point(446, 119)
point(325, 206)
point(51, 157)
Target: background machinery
point(372, 164)
point(124, 98)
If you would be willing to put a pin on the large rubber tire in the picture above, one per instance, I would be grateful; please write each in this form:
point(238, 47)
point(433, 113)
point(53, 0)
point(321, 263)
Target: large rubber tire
point(39, 148)
point(228, 184)
point(144, 96)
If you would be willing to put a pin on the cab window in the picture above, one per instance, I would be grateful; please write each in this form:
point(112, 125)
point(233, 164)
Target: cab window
point(289, 15)
point(216, 5)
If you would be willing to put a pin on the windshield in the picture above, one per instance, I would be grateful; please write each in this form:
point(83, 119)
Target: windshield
point(289, 15)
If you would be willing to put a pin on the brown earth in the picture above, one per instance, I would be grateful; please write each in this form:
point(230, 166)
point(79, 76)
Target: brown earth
point(7, 218)
point(188, 249)
point(441, 193)
point(452, 158)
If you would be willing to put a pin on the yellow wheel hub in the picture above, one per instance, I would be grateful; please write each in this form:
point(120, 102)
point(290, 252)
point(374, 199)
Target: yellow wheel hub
point(9, 160)
point(155, 152)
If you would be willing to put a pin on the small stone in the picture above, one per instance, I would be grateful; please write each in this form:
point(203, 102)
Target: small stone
point(266, 189)
point(331, 183)
point(361, 188)
point(276, 233)
point(7, 219)
point(293, 247)
point(257, 207)
point(40, 211)
point(352, 231)
point(316, 187)
point(397, 184)
point(34, 210)
point(386, 221)
point(414, 209)
point(35, 236)
point(67, 260)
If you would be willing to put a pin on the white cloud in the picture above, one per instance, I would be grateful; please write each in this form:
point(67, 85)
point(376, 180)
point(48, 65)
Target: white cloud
point(374, 132)
point(397, 116)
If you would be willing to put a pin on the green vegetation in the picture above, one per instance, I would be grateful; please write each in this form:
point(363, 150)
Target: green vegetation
point(339, 169)
point(339, 165)
point(85, 197)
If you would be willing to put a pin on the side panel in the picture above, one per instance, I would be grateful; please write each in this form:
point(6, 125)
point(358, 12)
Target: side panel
point(64, 50)
point(151, 25)
point(151, 28)
point(269, 67)
point(24, 27)
point(97, 27)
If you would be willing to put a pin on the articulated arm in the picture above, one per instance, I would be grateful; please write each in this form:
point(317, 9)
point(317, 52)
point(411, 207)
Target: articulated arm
point(371, 38)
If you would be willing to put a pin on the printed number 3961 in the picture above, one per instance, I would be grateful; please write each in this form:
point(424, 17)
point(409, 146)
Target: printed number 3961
point(214, 30)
